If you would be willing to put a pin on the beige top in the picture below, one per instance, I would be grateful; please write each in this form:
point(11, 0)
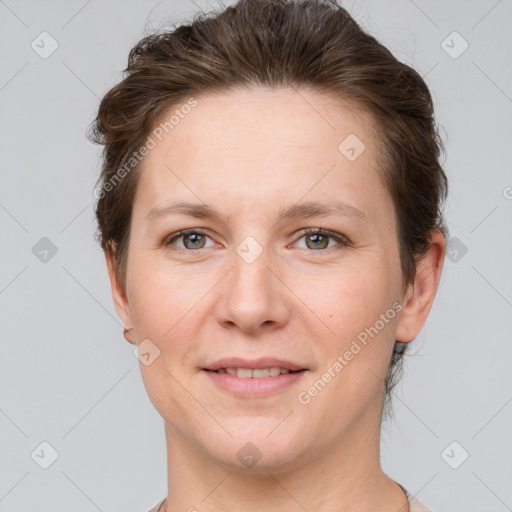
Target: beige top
point(414, 504)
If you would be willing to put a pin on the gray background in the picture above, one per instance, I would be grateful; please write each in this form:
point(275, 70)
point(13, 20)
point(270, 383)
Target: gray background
point(68, 377)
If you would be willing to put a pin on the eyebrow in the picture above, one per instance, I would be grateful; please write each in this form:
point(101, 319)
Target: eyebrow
point(295, 211)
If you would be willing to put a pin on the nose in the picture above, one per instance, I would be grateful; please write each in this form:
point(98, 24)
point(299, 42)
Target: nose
point(253, 297)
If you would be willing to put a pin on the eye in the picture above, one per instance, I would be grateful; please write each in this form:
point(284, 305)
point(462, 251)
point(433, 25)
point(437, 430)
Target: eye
point(318, 239)
point(315, 239)
point(191, 239)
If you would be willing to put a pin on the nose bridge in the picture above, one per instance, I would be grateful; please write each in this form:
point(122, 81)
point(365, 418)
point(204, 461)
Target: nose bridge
point(250, 272)
point(252, 296)
point(250, 280)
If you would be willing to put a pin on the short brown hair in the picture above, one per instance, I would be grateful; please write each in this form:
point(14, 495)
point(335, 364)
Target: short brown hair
point(313, 44)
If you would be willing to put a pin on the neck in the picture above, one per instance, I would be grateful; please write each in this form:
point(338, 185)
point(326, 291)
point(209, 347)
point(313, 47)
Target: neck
point(346, 472)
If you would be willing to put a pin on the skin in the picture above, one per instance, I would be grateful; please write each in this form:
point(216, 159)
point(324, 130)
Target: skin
point(247, 155)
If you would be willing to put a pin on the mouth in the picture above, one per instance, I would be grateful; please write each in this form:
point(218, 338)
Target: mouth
point(255, 368)
point(256, 373)
point(256, 378)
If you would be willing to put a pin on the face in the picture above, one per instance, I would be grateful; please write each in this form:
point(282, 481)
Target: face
point(289, 258)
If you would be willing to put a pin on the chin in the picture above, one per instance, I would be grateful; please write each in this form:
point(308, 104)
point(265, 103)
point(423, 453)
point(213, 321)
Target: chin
point(257, 447)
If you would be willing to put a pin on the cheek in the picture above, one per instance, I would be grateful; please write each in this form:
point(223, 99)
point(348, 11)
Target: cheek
point(355, 306)
point(159, 296)
point(169, 307)
point(162, 304)
point(346, 299)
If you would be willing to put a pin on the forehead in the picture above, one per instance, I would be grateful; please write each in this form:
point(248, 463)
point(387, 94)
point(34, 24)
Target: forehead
point(267, 122)
point(263, 144)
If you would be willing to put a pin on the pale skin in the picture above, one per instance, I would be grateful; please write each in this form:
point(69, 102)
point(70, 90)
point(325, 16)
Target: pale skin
point(247, 155)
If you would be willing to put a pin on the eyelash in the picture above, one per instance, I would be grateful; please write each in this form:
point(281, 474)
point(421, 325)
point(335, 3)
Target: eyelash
point(341, 239)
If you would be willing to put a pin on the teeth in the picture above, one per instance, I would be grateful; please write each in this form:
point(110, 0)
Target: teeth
point(243, 373)
point(259, 373)
point(247, 373)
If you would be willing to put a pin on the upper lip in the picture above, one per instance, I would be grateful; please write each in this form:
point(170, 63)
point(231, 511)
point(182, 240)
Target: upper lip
point(262, 362)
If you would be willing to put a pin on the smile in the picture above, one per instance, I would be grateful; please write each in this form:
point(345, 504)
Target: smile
point(258, 373)
point(248, 383)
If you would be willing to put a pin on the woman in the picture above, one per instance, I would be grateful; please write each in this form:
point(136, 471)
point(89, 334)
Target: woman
point(270, 211)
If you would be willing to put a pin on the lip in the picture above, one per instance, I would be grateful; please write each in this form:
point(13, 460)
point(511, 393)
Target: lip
point(262, 362)
point(251, 387)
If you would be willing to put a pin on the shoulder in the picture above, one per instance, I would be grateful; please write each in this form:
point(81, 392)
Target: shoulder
point(156, 507)
point(414, 504)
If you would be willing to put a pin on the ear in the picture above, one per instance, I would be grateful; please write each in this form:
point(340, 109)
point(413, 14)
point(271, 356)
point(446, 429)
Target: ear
point(420, 294)
point(120, 300)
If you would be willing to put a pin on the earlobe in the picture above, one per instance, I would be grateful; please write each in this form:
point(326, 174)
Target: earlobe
point(421, 293)
point(119, 297)
point(128, 336)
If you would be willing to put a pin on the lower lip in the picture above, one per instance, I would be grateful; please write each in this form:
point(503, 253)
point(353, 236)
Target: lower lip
point(252, 387)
